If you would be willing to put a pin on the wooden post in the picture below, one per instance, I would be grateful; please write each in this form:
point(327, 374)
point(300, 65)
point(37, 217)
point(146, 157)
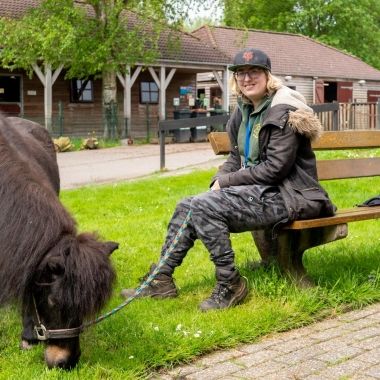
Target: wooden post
point(336, 119)
point(48, 80)
point(48, 94)
point(226, 95)
point(127, 83)
point(162, 111)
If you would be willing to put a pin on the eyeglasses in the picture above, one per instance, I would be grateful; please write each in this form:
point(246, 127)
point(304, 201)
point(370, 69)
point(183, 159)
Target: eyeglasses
point(252, 74)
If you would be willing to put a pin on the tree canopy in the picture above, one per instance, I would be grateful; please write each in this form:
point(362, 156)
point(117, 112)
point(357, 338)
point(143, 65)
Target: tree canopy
point(349, 25)
point(91, 37)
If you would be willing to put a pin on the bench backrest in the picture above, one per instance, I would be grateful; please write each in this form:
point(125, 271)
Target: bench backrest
point(330, 169)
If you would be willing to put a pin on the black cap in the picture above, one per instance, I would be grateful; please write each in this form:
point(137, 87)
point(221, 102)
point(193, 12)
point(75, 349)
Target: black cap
point(251, 57)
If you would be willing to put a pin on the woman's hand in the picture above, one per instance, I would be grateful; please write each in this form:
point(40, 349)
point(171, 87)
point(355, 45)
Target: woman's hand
point(215, 185)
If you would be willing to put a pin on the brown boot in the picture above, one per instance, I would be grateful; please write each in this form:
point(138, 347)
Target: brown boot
point(161, 287)
point(226, 294)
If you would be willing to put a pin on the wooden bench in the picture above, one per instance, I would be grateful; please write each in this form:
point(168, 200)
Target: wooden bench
point(294, 239)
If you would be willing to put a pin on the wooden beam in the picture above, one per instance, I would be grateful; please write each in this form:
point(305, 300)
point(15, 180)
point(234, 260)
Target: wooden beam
point(220, 142)
point(226, 91)
point(348, 168)
point(218, 79)
point(167, 125)
point(169, 77)
point(348, 140)
point(162, 103)
point(155, 77)
point(357, 139)
point(56, 73)
point(341, 217)
point(121, 79)
point(48, 95)
point(39, 73)
point(134, 75)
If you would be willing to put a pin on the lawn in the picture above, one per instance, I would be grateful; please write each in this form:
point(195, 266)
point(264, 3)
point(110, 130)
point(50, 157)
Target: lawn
point(150, 334)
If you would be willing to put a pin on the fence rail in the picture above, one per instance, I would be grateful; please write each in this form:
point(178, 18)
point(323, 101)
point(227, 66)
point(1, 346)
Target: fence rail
point(172, 125)
point(344, 116)
point(333, 116)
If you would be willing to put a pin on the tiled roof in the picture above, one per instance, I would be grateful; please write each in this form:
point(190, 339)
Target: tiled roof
point(291, 54)
point(192, 50)
point(16, 8)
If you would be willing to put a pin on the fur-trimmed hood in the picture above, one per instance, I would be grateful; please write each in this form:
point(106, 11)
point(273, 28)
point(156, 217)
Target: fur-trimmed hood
point(302, 119)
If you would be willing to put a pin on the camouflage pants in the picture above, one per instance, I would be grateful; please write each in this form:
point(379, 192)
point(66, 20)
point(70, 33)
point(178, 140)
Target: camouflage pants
point(214, 215)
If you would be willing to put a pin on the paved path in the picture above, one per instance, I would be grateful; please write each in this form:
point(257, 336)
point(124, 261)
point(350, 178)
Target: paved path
point(131, 161)
point(347, 347)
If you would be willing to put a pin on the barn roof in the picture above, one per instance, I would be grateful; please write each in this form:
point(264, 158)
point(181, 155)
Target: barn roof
point(191, 48)
point(291, 54)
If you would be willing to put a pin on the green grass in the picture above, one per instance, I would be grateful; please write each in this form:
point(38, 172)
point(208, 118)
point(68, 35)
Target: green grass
point(149, 334)
point(344, 153)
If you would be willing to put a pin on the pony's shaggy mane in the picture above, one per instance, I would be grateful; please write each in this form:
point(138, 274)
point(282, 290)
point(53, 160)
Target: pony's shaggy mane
point(37, 234)
point(88, 278)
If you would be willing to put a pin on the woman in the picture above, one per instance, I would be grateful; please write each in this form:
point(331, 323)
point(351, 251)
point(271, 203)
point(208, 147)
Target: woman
point(269, 178)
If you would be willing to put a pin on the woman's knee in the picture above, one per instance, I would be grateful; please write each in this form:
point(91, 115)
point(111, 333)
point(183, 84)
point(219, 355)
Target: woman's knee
point(206, 204)
point(184, 204)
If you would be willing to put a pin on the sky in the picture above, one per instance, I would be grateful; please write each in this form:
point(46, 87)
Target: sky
point(215, 14)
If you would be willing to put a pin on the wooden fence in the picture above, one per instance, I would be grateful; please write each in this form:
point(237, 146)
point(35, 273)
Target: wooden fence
point(344, 116)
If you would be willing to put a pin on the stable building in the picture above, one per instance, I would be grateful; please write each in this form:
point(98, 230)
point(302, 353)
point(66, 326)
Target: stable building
point(321, 73)
point(146, 93)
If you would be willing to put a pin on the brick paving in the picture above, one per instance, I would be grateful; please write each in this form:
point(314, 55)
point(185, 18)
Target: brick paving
point(346, 347)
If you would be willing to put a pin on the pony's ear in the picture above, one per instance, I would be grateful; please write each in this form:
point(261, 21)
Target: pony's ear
point(50, 269)
point(110, 246)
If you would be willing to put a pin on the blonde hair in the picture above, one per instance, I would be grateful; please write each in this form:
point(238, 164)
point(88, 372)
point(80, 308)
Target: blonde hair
point(273, 84)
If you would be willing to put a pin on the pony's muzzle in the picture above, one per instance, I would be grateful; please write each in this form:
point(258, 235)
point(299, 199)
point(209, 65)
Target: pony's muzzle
point(65, 356)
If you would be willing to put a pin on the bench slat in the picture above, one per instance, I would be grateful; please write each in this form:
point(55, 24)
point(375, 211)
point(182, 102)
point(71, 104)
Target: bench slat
point(220, 142)
point(358, 139)
point(342, 216)
point(348, 168)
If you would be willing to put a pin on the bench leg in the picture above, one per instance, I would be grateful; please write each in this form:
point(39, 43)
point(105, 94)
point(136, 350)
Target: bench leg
point(293, 243)
point(266, 246)
point(290, 254)
point(288, 248)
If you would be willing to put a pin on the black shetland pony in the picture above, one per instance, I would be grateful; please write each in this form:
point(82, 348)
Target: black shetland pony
point(60, 277)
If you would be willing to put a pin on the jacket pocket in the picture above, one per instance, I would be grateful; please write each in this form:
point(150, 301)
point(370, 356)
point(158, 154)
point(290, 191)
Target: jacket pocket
point(311, 202)
point(313, 194)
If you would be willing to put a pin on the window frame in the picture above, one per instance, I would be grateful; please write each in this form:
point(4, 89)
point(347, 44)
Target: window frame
point(75, 97)
point(150, 92)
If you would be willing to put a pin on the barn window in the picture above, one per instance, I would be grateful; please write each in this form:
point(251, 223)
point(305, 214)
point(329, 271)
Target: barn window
point(148, 92)
point(82, 90)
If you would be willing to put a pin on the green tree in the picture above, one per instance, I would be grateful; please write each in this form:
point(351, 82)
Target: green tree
point(350, 25)
point(91, 37)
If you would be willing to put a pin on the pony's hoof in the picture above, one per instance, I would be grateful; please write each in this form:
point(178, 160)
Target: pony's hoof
point(25, 345)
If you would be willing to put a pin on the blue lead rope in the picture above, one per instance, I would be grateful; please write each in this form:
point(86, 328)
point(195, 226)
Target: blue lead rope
point(248, 132)
point(150, 278)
